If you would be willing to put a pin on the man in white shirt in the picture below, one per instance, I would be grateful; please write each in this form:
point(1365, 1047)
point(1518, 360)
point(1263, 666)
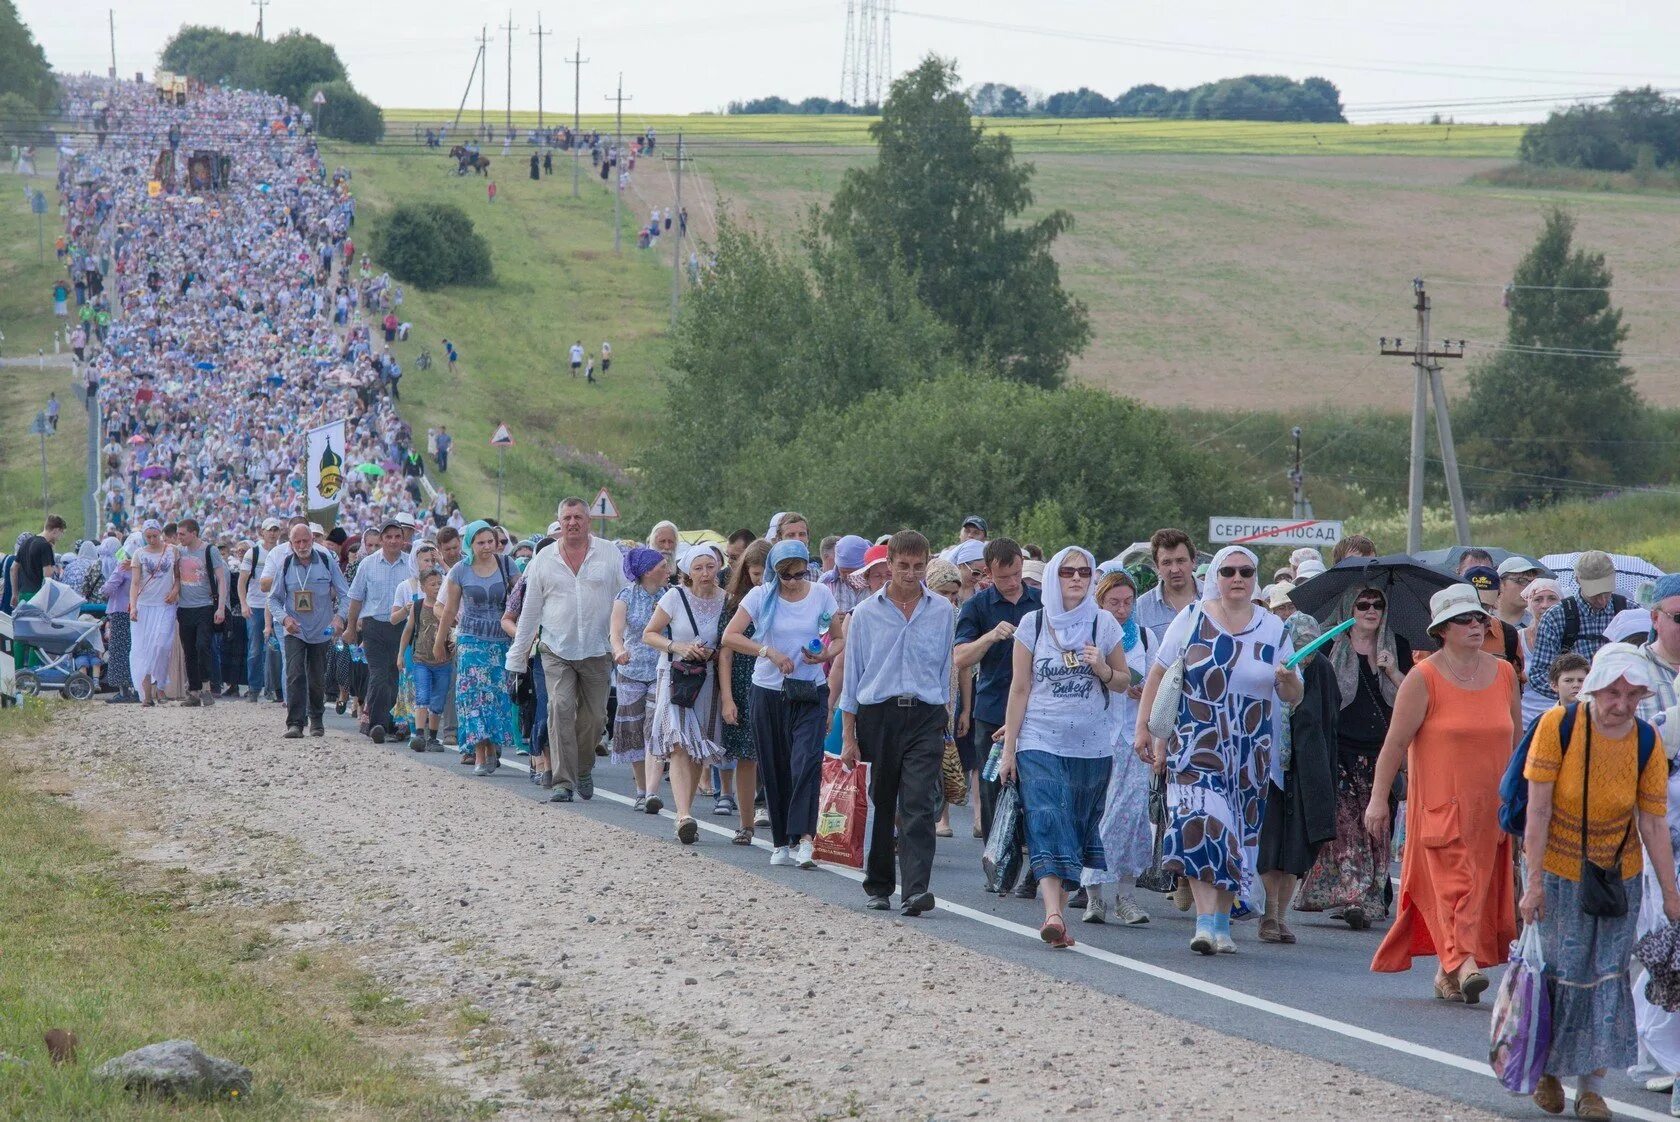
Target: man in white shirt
point(569, 593)
point(577, 357)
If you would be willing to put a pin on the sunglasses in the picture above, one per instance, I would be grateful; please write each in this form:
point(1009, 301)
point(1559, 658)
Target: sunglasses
point(1070, 571)
point(976, 571)
point(1368, 605)
point(796, 575)
point(1243, 571)
point(1468, 618)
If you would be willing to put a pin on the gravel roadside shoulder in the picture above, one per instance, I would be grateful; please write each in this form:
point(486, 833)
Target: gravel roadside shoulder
point(574, 969)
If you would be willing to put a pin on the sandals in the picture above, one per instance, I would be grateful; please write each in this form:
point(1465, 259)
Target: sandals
point(743, 836)
point(1446, 989)
point(688, 831)
point(1474, 985)
point(1054, 932)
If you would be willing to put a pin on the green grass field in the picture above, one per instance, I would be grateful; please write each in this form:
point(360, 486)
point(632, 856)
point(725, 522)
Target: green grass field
point(1109, 135)
point(125, 956)
point(557, 280)
point(23, 391)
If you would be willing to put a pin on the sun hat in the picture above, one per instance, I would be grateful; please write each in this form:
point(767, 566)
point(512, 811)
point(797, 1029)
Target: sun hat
point(1305, 553)
point(1032, 569)
point(1454, 601)
point(849, 552)
point(1629, 625)
point(1595, 573)
point(1277, 595)
point(873, 556)
point(1614, 661)
point(941, 574)
point(1309, 568)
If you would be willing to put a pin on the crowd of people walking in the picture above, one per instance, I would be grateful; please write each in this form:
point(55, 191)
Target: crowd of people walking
point(1161, 729)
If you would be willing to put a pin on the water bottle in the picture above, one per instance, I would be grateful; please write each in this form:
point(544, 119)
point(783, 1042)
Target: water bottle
point(993, 761)
point(813, 650)
point(823, 621)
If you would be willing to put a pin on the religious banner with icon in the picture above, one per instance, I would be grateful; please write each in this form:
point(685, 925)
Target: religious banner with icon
point(323, 460)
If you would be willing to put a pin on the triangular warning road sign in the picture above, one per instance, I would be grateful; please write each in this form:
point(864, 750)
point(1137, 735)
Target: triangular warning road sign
point(502, 437)
point(603, 506)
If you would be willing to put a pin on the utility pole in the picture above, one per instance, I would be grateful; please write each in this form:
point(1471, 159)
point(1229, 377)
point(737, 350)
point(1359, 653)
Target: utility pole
point(111, 21)
point(618, 155)
point(539, 33)
point(576, 63)
point(677, 239)
point(259, 5)
point(510, 29)
point(1427, 382)
point(478, 57)
point(483, 43)
point(1298, 480)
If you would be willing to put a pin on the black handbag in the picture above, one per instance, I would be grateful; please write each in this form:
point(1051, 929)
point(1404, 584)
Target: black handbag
point(688, 678)
point(1155, 878)
point(1603, 894)
point(801, 692)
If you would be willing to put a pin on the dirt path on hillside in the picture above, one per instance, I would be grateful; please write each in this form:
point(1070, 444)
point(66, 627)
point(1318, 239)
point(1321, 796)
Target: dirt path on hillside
point(617, 973)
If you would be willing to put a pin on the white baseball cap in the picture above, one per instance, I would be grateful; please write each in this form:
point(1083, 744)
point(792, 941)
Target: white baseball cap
point(1515, 564)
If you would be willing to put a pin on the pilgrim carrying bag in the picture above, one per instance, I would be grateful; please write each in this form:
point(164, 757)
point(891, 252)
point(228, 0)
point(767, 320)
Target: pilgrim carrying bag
point(1154, 878)
point(1163, 714)
point(687, 678)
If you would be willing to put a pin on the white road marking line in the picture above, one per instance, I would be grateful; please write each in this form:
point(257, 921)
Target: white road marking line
point(1210, 989)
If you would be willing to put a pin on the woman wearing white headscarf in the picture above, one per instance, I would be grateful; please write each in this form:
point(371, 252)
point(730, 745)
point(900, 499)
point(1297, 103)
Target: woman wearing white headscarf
point(1058, 732)
point(1586, 801)
point(1218, 763)
point(688, 623)
point(154, 587)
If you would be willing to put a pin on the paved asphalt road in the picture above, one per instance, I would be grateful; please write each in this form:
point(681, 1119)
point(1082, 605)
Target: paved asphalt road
point(1317, 997)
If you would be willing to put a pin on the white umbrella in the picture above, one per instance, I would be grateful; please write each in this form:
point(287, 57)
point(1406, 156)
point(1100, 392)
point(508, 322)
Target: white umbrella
point(1632, 573)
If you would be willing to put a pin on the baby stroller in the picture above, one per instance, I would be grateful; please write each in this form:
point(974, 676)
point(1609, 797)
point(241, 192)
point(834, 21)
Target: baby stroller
point(47, 625)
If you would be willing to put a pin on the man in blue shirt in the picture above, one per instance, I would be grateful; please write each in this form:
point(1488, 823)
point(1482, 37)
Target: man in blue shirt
point(371, 593)
point(984, 630)
point(895, 684)
point(307, 604)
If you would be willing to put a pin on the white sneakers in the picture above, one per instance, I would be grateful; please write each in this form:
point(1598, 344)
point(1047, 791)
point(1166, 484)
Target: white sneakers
point(800, 855)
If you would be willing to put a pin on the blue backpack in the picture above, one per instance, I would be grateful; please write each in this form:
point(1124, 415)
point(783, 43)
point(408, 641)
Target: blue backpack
point(1513, 788)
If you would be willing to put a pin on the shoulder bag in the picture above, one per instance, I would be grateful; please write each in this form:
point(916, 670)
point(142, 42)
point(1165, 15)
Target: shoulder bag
point(688, 678)
point(1602, 892)
point(1163, 714)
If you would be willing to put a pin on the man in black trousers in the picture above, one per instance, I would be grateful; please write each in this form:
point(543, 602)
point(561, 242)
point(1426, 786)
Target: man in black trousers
point(896, 683)
point(371, 595)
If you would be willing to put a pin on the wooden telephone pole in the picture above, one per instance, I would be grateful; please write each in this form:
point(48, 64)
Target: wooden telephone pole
point(1427, 383)
point(576, 63)
point(622, 164)
point(539, 33)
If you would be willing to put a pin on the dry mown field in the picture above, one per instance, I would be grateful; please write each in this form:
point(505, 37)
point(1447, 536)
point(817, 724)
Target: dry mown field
point(1265, 281)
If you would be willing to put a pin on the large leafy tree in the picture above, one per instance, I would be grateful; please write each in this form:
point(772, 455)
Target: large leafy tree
point(24, 70)
point(943, 200)
point(773, 336)
point(1556, 406)
point(295, 64)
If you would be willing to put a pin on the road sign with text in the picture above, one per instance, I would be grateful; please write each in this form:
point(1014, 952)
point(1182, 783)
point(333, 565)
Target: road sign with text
point(1236, 530)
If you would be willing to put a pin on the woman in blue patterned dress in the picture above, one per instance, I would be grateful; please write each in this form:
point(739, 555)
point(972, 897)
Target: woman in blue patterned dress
point(635, 668)
point(479, 586)
point(1217, 764)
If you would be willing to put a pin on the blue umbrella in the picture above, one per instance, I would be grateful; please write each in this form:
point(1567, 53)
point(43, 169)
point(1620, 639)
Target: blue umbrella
point(204, 365)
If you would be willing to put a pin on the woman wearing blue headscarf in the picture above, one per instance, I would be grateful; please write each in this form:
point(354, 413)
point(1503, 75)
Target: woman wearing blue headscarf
point(789, 706)
point(479, 586)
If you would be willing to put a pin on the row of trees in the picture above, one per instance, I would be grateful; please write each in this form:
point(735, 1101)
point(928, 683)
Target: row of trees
point(1633, 127)
point(903, 361)
point(1251, 97)
point(294, 66)
point(28, 90)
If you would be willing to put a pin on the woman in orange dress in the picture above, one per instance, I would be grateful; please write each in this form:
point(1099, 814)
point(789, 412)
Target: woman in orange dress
point(1457, 717)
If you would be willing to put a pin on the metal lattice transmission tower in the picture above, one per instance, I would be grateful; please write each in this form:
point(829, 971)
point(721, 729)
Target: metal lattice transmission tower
point(866, 66)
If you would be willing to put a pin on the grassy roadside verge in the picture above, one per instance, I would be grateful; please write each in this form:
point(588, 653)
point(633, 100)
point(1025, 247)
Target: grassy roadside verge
point(23, 393)
point(124, 957)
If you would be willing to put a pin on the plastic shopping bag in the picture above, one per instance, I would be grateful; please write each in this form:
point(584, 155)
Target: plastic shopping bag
point(842, 813)
point(1001, 861)
point(1522, 1018)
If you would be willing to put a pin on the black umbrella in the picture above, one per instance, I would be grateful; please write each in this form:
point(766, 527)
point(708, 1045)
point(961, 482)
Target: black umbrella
point(1405, 582)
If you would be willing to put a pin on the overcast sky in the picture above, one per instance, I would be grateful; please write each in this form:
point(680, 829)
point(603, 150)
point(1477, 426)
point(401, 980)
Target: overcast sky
point(1509, 59)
